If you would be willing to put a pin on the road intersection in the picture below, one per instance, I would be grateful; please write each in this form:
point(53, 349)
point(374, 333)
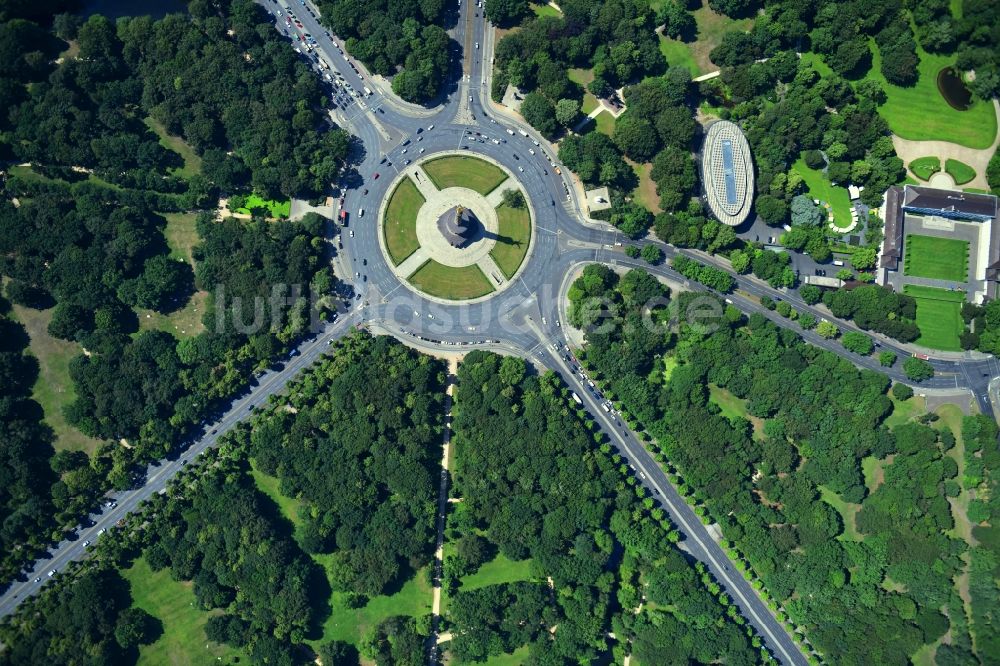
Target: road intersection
point(523, 319)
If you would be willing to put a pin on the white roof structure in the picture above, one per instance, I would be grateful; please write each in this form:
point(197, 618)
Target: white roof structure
point(727, 172)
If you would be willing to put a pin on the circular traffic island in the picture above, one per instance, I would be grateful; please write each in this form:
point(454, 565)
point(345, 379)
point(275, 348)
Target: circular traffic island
point(456, 227)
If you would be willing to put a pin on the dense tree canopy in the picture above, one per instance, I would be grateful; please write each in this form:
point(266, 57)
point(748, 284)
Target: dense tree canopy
point(360, 451)
point(815, 418)
point(517, 438)
point(404, 40)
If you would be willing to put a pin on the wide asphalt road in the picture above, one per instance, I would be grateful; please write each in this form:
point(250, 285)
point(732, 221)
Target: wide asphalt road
point(523, 318)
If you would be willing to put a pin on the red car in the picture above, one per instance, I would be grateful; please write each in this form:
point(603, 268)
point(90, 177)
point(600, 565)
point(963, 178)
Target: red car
point(376, 176)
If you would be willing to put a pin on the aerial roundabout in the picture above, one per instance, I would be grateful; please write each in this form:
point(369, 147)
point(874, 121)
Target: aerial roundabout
point(456, 227)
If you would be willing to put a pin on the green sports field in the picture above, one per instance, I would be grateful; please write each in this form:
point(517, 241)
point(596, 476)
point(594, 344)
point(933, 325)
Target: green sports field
point(936, 258)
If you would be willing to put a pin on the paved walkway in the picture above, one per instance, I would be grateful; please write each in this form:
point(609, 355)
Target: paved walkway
point(590, 117)
point(978, 159)
point(442, 509)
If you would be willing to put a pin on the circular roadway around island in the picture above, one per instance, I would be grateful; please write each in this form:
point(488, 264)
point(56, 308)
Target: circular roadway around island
point(426, 262)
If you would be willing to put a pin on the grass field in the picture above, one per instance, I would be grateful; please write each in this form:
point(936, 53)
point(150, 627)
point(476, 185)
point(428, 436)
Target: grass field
point(545, 10)
point(711, 27)
point(731, 407)
point(920, 113)
point(449, 282)
point(821, 188)
point(925, 167)
point(847, 512)
point(182, 235)
point(645, 192)
point(400, 225)
point(192, 162)
point(53, 389)
point(349, 624)
point(960, 171)
point(514, 230)
point(183, 639)
point(183, 323)
point(605, 123)
point(939, 316)
point(496, 571)
point(584, 77)
point(816, 60)
point(470, 172)
point(274, 208)
point(937, 258)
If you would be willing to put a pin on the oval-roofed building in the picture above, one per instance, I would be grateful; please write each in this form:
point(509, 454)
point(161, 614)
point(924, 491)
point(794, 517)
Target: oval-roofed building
point(727, 172)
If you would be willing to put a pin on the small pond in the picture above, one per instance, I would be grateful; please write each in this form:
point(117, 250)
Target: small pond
point(952, 88)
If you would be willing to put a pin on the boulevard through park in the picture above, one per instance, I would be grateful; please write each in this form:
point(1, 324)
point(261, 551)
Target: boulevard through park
point(456, 227)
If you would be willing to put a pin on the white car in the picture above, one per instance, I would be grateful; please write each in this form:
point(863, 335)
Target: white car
point(531, 150)
point(52, 573)
point(477, 46)
point(430, 128)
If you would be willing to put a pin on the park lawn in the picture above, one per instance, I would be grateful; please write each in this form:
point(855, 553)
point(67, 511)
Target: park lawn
point(920, 113)
point(925, 167)
point(192, 162)
point(185, 322)
point(939, 317)
point(271, 487)
point(181, 233)
point(498, 570)
point(936, 257)
point(460, 171)
point(583, 77)
point(183, 639)
point(349, 624)
point(903, 411)
point(816, 60)
point(645, 192)
point(679, 54)
point(400, 226)
point(53, 389)
point(515, 658)
point(27, 174)
point(732, 407)
point(821, 188)
point(605, 123)
point(514, 230)
point(275, 208)
point(545, 10)
point(711, 26)
point(960, 171)
point(450, 282)
point(848, 512)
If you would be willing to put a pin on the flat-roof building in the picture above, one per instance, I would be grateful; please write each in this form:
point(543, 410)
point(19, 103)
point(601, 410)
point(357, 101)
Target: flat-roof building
point(727, 172)
point(930, 211)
